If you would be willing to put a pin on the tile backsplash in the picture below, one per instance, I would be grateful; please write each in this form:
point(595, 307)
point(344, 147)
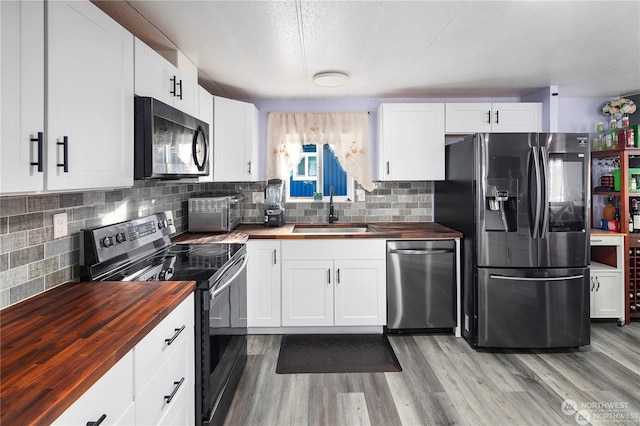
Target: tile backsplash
point(32, 261)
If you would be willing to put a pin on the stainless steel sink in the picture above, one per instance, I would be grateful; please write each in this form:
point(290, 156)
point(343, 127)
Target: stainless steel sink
point(306, 229)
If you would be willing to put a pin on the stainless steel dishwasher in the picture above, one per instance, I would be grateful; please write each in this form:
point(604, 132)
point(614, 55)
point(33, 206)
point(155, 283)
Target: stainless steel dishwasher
point(421, 285)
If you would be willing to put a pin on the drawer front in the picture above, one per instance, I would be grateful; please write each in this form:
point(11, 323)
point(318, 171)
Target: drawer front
point(334, 248)
point(111, 395)
point(174, 380)
point(157, 347)
point(607, 240)
point(634, 240)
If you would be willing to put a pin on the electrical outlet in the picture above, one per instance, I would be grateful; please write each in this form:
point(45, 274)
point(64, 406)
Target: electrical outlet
point(258, 197)
point(60, 225)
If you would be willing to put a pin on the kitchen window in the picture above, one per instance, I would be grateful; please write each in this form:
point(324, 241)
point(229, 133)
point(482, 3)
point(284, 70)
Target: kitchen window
point(318, 171)
point(314, 151)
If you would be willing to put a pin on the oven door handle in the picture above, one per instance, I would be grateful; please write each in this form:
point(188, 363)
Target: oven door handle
point(244, 259)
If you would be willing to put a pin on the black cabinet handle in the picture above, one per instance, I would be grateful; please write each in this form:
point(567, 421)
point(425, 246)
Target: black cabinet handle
point(497, 117)
point(173, 82)
point(387, 167)
point(97, 422)
point(489, 116)
point(65, 154)
point(338, 276)
point(176, 333)
point(180, 84)
point(176, 385)
point(275, 257)
point(39, 139)
point(249, 168)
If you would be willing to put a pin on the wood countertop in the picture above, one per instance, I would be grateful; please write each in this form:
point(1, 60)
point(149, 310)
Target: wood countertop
point(56, 345)
point(386, 230)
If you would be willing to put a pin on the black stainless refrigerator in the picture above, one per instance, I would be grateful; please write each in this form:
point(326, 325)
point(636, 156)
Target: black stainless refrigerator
point(522, 202)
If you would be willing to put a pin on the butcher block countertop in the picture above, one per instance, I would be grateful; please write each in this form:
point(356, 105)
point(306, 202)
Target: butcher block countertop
point(386, 230)
point(56, 345)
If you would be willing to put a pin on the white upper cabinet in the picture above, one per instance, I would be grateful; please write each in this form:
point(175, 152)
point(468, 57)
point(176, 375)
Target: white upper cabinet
point(235, 141)
point(158, 78)
point(22, 97)
point(90, 98)
point(84, 89)
point(411, 141)
point(493, 117)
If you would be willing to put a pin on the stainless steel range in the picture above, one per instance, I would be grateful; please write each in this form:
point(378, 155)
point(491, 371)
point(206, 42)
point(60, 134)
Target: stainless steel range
point(141, 250)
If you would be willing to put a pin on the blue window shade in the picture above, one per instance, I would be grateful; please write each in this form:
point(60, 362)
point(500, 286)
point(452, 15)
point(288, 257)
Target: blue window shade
point(332, 173)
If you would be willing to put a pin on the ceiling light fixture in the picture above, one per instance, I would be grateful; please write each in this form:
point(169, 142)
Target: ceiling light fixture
point(330, 79)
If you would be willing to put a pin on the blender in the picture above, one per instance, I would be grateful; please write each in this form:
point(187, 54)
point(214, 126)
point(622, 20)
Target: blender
point(273, 193)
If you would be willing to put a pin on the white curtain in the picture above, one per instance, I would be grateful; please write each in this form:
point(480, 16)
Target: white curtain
point(347, 133)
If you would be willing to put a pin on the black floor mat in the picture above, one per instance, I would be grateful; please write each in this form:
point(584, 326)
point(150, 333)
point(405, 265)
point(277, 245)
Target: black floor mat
point(336, 353)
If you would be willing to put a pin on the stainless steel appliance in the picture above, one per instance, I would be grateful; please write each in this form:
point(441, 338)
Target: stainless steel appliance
point(522, 202)
point(421, 285)
point(215, 212)
point(273, 194)
point(141, 250)
point(169, 144)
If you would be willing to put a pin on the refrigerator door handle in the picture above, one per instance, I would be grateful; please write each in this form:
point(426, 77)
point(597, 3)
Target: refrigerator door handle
point(544, 160)
point(505, 277)
point(536, 219)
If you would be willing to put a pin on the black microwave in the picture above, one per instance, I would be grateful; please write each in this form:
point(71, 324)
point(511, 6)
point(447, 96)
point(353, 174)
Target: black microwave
point(169, 144)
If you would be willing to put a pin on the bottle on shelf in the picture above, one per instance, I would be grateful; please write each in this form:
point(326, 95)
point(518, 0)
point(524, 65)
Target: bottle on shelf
point(636, 218)
point(630, 225)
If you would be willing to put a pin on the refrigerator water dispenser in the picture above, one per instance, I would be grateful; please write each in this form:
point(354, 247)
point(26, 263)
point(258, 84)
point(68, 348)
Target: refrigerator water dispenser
point(501, 207)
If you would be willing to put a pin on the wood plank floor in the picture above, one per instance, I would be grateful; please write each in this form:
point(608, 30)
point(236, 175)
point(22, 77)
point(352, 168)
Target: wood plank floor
point(445, 382)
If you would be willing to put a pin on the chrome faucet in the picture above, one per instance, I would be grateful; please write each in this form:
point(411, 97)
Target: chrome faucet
point(332, 216)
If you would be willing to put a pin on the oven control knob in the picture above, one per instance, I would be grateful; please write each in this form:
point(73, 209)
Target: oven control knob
point(120, 237)
point(166, 274)
point(162, 224)
point(107, 241)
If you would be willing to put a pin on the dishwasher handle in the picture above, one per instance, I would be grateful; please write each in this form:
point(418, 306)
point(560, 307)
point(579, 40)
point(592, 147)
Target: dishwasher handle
point(421, 252)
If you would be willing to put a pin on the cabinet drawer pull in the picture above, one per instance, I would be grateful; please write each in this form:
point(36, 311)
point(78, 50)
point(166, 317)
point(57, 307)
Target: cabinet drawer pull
point(387, 167)
point(338, 276)
point(176, 386)
point(275, 257)
point(598, 282)
point(497, 117)
point(38, 139)
point(65, 153)
point(97, 422)
point(173, 83)
point(249, 168)
point(489, 116)
point(596, 241)
point(175, 335)
point(329, 276)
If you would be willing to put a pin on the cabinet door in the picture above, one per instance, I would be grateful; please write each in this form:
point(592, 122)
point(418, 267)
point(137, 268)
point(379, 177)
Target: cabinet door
point(90, 98)
point(516, 117)
point(411, 140)
point(606, 298)
point(186, 99)
point(229, 140)
point(360, 292)
point(22, 95)
point(307, 293)
point(153, 74)
point(263, 283)
point(251, 142)
point(468, 118)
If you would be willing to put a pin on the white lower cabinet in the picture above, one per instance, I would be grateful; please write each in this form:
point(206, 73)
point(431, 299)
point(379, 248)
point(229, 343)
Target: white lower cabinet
point(605, 289)
point(263, 283)
point(164, 369)
point(152, 384)
point(333, 283)
point(110, 399)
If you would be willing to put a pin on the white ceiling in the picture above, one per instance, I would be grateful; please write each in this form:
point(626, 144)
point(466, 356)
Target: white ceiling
point(397, 49)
